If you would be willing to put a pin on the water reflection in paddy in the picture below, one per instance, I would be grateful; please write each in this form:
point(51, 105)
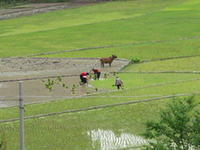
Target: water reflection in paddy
point(108, 140)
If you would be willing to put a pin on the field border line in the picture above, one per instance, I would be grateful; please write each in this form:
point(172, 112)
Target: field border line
point(62, 75)
point(151, 85)
point(71, 50)
point(36, 78)
point(99, 107)
point(168, 58)
point(115, 45)
point(76, 75)
point(160, 72)
point(105, 92)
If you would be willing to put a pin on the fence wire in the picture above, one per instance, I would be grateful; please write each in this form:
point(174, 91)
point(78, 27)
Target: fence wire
point(92, 129)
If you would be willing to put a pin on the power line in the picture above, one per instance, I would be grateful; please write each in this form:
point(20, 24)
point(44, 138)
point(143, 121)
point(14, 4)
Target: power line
point(100, 107)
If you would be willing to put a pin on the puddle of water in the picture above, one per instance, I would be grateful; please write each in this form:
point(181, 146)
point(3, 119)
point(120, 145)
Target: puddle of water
point(108, 140)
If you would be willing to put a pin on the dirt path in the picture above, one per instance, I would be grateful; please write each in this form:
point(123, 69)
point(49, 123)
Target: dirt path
point(35, 8)
point(34, 90)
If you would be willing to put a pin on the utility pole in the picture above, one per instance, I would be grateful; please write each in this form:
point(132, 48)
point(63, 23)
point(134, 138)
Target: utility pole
point(21, 113)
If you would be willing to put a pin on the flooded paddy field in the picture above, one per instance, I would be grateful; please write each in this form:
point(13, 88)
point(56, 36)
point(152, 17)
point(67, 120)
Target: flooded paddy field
point(30, 69)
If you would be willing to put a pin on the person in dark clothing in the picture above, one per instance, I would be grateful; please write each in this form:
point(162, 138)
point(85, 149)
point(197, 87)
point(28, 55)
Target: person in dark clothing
point(83, 77)
point(97, 73)
point(118, 83)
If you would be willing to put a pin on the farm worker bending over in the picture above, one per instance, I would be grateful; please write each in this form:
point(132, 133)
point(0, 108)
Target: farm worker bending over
point(118, 83)
point(83, 77)
point(97, 73)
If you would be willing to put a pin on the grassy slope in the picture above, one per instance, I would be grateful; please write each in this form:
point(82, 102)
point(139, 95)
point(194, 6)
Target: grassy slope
point(89, 27)
point(143, 51)
point(183, 64)
point(169, 23)
point(132, 80)
point(72, 127)
point(138, 86)
point(65, 131)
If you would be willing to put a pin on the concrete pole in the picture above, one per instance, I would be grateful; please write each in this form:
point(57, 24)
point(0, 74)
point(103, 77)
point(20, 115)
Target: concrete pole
point(21, 113)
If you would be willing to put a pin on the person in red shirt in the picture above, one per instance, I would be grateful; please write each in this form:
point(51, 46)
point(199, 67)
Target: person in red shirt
point(97, 73)
point(83, 77)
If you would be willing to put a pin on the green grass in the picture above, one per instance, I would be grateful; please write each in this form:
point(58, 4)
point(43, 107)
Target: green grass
point(138, 86)
point(133, 26)
point(65, 131)
point(183, 64)
point(134, 80)
point(143, 50)
point(80, 16)
point(43, 33)
point(168, 89)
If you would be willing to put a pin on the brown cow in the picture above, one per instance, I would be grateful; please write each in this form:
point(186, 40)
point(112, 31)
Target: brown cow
point(107, 60)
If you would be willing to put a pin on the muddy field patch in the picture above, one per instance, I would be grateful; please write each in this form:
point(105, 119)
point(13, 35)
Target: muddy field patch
point(34, 90)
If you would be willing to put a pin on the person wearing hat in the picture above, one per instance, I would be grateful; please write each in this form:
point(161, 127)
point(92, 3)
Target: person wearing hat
point(118, 83)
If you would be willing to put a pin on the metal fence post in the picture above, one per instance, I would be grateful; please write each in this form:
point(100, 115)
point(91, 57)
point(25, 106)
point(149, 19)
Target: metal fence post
point(21, 113)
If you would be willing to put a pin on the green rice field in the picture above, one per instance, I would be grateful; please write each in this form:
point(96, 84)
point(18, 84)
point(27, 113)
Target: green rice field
point(149, 30)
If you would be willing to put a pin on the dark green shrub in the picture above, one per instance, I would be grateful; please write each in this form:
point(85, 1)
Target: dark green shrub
point(135, 60)
point(178, 127)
